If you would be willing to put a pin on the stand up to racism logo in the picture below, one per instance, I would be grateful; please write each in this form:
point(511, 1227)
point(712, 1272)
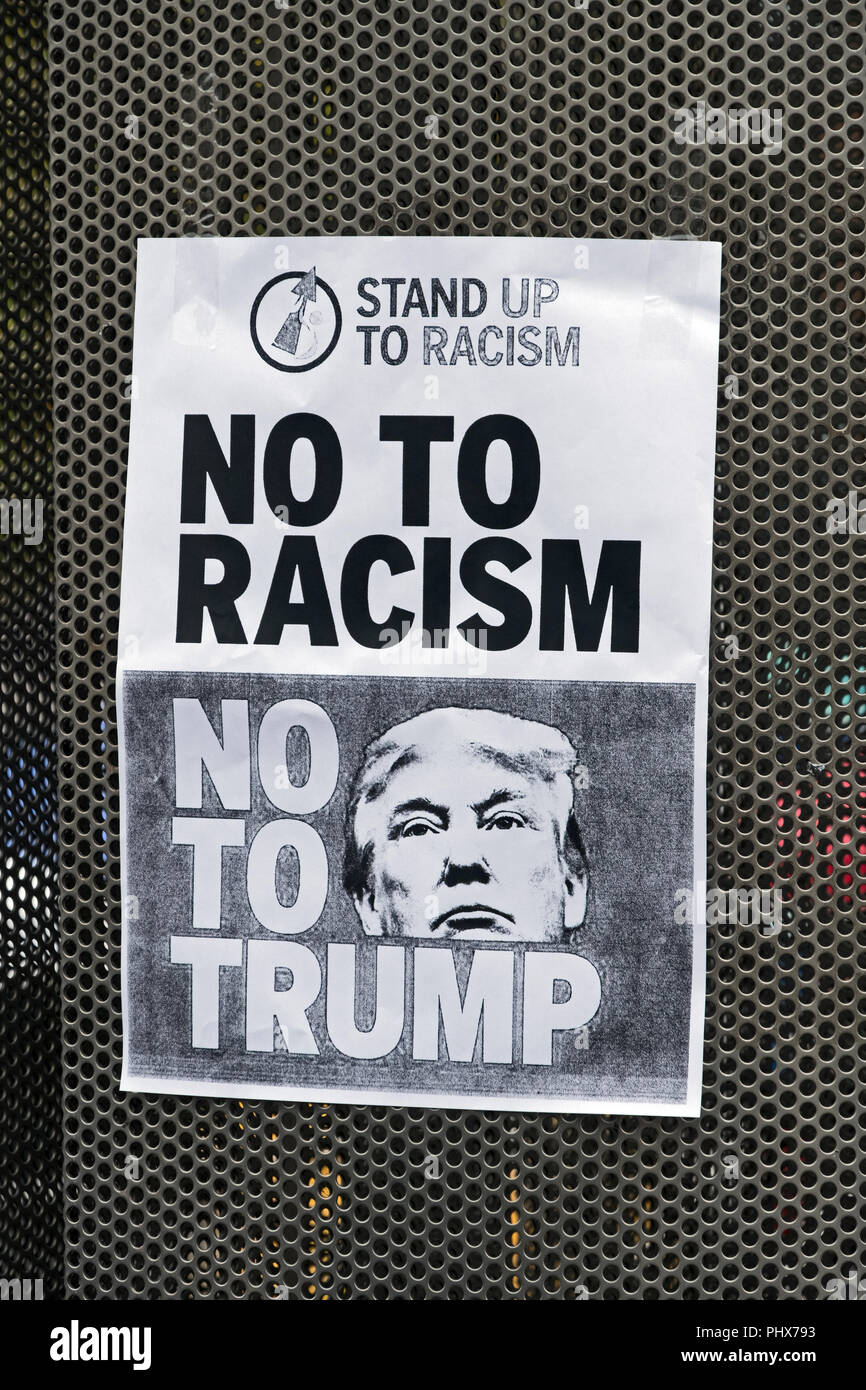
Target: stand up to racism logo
point(295, 321)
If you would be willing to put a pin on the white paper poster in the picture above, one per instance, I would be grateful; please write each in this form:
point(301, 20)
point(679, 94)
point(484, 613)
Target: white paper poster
point(413, 670)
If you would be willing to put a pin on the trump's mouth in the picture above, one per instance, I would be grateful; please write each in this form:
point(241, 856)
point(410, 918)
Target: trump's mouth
point(473, 917)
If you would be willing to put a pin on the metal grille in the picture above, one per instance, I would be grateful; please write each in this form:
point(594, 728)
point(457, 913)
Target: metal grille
point(31, 1226)
point(542, 118)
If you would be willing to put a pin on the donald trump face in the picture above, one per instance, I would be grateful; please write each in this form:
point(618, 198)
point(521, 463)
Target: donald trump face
point(460, 824)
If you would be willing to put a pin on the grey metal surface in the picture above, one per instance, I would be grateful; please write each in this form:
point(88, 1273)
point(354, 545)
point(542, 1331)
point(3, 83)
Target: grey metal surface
point(547, 119)
point(31, 1114)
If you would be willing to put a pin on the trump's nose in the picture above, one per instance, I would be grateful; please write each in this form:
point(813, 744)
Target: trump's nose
point(464, 870)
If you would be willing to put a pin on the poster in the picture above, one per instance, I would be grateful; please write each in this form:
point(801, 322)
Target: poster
point(412, 670)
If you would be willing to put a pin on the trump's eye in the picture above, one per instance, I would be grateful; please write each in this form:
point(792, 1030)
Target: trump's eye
point(505, 820)
point(418, 825)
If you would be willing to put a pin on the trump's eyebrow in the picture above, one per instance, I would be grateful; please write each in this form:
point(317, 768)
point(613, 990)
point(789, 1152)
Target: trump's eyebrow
point(496, 799)
point(418, 803)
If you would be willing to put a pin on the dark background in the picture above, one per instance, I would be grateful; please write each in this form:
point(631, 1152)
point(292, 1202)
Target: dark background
point(31, 1115)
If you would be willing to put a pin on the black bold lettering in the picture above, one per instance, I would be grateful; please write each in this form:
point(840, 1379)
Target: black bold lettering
point(416, 433)
point(277, 469)
point(194, 595)
point(355, 586)
point(436, 591)
point(617, 582)
point(469, 284)
point(393, 281)
point(371, 299)
point(437, 295)
point(415, 299)
point(511, 602)
point(233, 482)
point(394, 359)
point(299, 555)
point(472, 472)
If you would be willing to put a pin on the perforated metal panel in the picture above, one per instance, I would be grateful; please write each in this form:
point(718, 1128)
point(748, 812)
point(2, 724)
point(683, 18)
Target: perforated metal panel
point(547, 119)
point(31, 1222)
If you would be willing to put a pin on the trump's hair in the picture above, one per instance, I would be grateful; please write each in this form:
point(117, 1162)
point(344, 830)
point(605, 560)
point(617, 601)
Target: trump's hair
point(532, 749)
